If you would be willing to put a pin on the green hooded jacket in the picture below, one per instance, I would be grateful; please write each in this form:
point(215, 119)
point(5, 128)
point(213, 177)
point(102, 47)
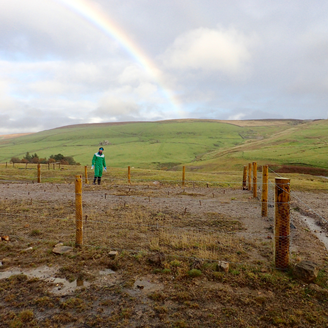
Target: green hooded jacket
point(99, 162)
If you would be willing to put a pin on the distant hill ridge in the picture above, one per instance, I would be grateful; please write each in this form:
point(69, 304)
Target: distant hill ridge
point(201, 144)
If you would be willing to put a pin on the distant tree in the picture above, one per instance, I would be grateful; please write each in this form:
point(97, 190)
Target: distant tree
point(28, 157)
point(15, 160)
point(24, 160)
point(70, 160)
point(51, 160)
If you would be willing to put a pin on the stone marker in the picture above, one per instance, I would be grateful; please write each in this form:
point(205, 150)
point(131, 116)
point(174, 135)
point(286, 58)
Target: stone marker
point(222, 266)
point(62, 249)
point(113, 254)
point(306, 271)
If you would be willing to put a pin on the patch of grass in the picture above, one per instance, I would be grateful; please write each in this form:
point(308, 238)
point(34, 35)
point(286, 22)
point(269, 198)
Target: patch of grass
point(194, 273)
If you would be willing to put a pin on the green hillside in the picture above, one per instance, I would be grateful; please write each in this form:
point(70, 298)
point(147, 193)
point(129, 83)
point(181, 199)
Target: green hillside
point(203, 144)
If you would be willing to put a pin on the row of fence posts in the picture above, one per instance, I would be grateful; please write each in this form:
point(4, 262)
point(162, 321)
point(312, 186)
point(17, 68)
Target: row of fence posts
point(282, 210)
point(49, 164)
point(129, 174)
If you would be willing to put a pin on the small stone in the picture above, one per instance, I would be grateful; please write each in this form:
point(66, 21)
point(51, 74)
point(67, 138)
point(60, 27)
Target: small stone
point(59, 244)
point(27, 249)
point(62, 249)
point(156, 259)
point(156, 183)
point(222, 266)
point(306, 271)
point(113, 254)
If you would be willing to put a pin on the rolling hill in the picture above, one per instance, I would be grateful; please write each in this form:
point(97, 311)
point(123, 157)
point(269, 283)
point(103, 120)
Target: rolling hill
point(201, 144)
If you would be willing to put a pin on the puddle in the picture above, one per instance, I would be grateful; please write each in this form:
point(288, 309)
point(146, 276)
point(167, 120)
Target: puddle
point(62, 286)
point(144, 285)
point(315, 229)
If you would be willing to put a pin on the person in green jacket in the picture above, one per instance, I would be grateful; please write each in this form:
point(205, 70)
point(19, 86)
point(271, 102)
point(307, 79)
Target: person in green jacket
point(98, 163)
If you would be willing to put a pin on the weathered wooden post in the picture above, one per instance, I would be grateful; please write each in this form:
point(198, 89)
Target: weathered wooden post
point(254, 179)
point(244, 177)
point(6, 165)
point(54, 166)
point(249, 176)
point(86, 174)
point(265, 180)
point(78, 211)
point(48, 166)
point(25, 166)
point(281, 223)
point(129, 174)
point(39, 173)
point(183, 175)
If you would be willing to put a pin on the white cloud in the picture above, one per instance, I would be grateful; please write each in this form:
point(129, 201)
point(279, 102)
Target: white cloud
point(209, 49)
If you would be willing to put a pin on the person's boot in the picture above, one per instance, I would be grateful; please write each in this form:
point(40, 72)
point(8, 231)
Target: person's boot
point(99, 180)
point(94, 180)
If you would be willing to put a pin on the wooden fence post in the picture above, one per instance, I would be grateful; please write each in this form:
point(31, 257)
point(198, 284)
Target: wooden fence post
point(249, 176)
point(281, 223)
point(86, 174)
point(254, 179)
point(39, 173)
point(54, 166)
point(48, 166)
point(25, 166)
point(78, 211)
point(244, 177)
point(6, 165)
point(265, 181)
point(183, 175)
point(129, 174)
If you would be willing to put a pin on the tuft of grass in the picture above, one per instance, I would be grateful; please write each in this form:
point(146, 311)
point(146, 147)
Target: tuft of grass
point(194, 273)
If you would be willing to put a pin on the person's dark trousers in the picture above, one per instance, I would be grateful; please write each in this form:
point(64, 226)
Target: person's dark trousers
point(99, 180)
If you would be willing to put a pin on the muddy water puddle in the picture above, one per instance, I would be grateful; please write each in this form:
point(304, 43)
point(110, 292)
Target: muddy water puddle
point(145, 285)
point(60, 286)
point(316, 229)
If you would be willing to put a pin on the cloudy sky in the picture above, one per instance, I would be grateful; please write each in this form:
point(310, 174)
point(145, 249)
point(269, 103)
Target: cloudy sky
point(76, 61)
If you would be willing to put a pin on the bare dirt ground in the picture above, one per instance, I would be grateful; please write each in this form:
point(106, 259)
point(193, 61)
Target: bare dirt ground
point(169, 241)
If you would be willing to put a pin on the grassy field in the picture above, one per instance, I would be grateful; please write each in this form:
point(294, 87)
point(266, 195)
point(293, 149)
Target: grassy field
point(160, 145)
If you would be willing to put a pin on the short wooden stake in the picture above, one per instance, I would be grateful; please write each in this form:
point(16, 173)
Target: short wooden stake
point(48, 166)
point(39, 173)
point(129, 174)
point(249, 176)
point(244, 177)
point(265, 181)
point(86, 174)
point(6, 164)
point(25, 166)
point(254, 179)
point(281, 223)
point(53, 166)
point(183, 175)
point(78, 211)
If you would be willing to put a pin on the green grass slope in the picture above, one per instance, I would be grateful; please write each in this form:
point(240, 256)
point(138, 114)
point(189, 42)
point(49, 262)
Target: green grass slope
point(302, 145)
point(201, 143)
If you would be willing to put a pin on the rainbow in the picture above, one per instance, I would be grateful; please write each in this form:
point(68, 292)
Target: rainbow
point(99, 19)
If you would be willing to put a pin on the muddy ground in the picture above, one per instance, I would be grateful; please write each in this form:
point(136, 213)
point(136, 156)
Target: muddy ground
point(169, 240)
